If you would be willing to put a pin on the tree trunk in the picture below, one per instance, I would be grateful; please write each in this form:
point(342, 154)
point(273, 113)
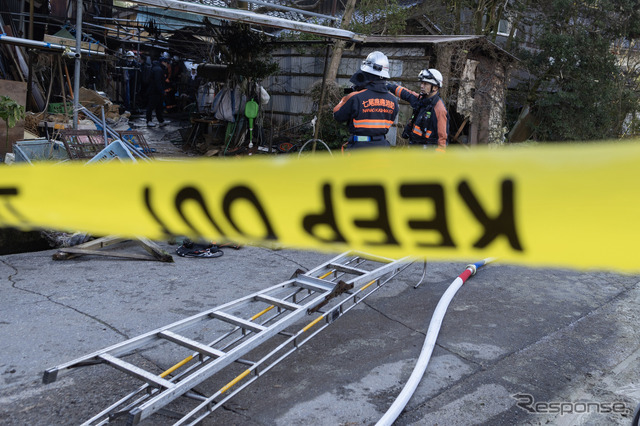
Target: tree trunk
point(331, 72)
point(339, 45)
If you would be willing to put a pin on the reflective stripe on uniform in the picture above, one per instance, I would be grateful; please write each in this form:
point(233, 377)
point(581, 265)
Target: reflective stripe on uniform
point(400, 89)
point(418, 131)
point(372, 124)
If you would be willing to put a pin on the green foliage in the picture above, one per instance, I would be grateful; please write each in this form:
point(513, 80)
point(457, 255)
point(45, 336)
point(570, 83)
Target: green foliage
point(301, 36)
point(11, 112)
point(247, 52)
point(578, 92)
point(385, 17)
point(332, 133)
point(304, 43)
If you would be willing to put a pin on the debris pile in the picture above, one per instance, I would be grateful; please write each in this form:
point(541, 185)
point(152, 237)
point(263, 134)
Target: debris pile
point(60, 116)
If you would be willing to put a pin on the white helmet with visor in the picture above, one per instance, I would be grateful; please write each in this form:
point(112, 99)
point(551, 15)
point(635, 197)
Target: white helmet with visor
point(432, 76)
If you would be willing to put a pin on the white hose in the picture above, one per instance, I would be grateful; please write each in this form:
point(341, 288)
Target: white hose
point(427, 348)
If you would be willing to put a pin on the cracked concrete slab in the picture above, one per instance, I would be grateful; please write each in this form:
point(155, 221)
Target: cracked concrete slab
point(553, 334)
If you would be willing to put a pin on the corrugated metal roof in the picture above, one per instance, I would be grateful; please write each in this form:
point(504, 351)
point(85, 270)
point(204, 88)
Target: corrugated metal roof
point(420, 39)
point(280, 9)
point(434, 39)
point(170, 20)
point(249, 17)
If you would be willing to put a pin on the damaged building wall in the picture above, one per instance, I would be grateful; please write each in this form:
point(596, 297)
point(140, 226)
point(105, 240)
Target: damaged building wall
point(481, 99)
point(497, 105)
point(466, 90)
point(478, 118)
point(299, 71)
point(473, 90)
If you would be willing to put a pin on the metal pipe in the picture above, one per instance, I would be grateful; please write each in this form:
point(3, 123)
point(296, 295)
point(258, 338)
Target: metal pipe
point(76, 72)
point(108, 30)
point(429, 342)
point(45, 45)
point(323, 90)
point(31, 10)
point(46, 102)
point(21, 21)
point(104, 127)
point(30, 68)
point(113, 133)
point(64, 91)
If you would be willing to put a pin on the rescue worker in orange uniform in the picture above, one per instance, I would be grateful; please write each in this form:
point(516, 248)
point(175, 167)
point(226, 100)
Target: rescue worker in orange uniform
point(369, 109)
point(429, 124)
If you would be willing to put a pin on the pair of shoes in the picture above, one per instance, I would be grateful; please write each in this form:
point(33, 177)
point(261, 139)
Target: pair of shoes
point(151, 124)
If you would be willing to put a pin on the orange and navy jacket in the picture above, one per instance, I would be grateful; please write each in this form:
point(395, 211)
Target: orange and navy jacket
point(431, 121)
point(369, 112)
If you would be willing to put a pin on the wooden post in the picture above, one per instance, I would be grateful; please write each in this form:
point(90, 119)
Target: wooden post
point(331, 71)
point(339, 45)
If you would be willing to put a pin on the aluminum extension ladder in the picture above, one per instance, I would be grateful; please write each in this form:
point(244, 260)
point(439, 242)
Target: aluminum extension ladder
point(268, 325)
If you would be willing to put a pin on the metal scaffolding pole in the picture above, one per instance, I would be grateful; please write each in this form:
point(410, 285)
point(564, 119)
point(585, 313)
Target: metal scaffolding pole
point(76, 76)
point(45, 45)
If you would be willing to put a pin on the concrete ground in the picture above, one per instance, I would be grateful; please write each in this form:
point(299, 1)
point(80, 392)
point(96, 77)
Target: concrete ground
point(166, 140)
point(516, 346)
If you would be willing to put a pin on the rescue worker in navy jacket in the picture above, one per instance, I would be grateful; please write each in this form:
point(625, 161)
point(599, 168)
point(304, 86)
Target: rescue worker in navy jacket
point(369, 109)
point(156, 91)
point(429, 125)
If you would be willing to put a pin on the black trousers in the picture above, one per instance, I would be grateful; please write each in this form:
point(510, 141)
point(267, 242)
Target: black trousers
point(376, 143)
point(155, 103)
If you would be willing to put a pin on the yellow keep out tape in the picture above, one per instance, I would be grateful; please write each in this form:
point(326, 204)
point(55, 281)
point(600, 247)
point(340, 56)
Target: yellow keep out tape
point(566, 205)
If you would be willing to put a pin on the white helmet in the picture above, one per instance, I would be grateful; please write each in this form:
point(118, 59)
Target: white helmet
point(130, 54)
point(432, 76)
point(165, 55)
point(377, 64)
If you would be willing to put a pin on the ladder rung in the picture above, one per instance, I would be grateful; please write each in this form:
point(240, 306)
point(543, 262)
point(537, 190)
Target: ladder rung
point(196, 396)
point(347, 269)
point(135, 371)
point(238, 321)
point(374, 258)
point(294, 298)
point(315, 284)
point(278, 302)
point(191, 344)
